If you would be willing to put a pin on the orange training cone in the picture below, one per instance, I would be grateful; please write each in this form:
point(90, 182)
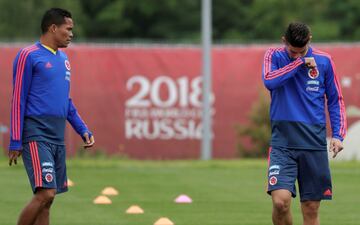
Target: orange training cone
point(109, 191)
point(102, 200)
point(164, 221)
point(134, 209)
point(70, 183)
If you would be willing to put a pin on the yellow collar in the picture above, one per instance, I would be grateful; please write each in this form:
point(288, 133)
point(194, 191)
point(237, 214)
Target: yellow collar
point(50, 49)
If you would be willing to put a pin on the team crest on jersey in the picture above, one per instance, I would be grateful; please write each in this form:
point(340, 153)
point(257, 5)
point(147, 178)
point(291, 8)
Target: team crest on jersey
point(313, 73)
point(49, 177)
point(67, 64)
point(273, 180)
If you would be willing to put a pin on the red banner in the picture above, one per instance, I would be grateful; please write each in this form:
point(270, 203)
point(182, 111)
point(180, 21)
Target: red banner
point(144, 102)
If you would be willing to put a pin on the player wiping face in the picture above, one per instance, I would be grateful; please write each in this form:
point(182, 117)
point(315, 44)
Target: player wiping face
point(336, 145)
point(296, 52)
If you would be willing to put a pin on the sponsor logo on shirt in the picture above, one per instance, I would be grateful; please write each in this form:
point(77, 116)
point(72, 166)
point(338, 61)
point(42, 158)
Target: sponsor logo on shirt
point(313, 82)
point(313, 85)
point(312, 89)
point(67, 75)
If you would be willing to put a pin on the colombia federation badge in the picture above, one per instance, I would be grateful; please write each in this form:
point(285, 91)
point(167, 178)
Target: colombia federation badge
point(313, 73)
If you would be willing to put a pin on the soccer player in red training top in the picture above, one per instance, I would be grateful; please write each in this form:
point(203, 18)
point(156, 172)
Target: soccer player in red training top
point(301, 79)
point(40, 107)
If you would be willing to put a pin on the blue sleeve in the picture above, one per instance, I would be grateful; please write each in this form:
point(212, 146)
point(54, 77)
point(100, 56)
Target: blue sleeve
point(275, 77)
point(22, 76)
point(75, 120)
point(335, 103)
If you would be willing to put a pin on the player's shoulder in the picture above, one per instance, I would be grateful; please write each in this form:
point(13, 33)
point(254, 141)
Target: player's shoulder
point(27, 52)
point(30, 49)
point(275, 51)
point(321, 54)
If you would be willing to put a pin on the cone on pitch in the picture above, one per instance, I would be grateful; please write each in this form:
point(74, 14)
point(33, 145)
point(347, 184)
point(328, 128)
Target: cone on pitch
point(102, 200)
point(164, 221)
point(109, 191)
point(183, 199)
point(134, 209)
point(70, 183)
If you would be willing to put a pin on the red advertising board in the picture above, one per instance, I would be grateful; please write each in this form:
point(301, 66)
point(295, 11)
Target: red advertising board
point(145, 102)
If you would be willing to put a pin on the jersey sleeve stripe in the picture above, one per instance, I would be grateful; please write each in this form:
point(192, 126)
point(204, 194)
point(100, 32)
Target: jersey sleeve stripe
point(17, 91)
point(15, 122)
point(14, 119)
point(267, 59)
point(282, 71)
point(268, 74)
point(343, 122)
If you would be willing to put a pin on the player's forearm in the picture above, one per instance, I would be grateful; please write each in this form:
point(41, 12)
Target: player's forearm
point(276, 78)
point(279, 81)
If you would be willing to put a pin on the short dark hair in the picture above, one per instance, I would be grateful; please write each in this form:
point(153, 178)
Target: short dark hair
point(297, 34)
point(54, 16)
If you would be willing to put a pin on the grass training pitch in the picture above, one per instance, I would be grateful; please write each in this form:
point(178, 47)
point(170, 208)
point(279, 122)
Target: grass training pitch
point(223, 193)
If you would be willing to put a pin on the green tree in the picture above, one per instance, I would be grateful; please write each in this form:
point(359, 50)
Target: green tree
point(20, 20)
point(179, 21)
point(128, 19)
point(258, 129)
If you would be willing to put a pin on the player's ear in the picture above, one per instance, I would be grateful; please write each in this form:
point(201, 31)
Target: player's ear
point(283, 40)
point(52, 28)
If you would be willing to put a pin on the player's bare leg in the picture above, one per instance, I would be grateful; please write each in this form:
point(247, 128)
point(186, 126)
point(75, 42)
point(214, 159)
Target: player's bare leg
point(310, 211)
point(43, 217)
point(281, 207)
point(34, 210)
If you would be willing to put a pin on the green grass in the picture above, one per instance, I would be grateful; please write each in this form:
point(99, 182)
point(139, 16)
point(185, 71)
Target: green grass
point(224, 193)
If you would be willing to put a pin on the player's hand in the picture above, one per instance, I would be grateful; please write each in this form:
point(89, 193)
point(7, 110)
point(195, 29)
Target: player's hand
point(13, 155)
point(336, 146)
point(89, 141)
point(310, 62)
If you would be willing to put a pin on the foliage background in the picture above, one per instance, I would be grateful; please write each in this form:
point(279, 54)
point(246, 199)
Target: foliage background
point(234, 21)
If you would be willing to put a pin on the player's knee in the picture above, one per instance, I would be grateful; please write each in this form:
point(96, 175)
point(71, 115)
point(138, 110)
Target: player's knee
point(281, 206)
point(310, 209)
point(46, 196)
